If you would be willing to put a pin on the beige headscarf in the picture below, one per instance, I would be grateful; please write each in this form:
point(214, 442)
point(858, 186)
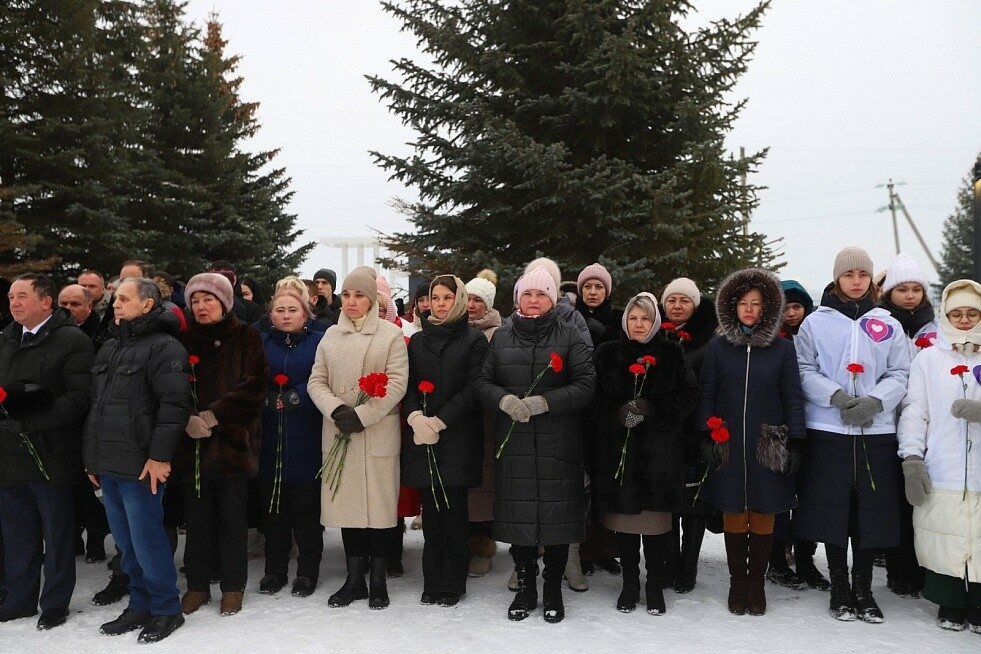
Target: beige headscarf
point(459, 307)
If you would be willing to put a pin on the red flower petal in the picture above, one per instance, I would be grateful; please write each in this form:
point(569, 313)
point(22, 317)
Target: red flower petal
point(556, 362)
point(426, 387)
point(637, 369)
point(956, 370)
point(720, 434)
point(714, 422)
point(668, 326)
point(281, 379)
point(855, 368)
point(3, 395)
point(193, 359)
point(647, 359)
point(683, 335)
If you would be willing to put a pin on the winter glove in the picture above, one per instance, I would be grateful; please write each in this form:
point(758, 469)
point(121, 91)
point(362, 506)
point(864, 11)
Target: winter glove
point(536, 405)
point(842, 400)
point(423, 432)
point(209, 419)
point(918, 484)
point(969, 410)
point(347, 420)
point(514, 407)
point(196, 428)
point(640, 406)
point(627, 417)
point(290, 398)
point(795, 456)
point(710, 453)
point(24, 398)
point(862, 412)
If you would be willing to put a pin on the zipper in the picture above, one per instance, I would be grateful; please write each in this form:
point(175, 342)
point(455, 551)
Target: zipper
point(852, 352)
point(749, 349)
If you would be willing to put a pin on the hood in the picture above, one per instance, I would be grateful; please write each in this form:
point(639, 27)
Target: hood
point(954, 336)
point(735, 286)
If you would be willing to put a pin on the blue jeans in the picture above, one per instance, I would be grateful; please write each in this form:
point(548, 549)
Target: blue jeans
point(136, 521)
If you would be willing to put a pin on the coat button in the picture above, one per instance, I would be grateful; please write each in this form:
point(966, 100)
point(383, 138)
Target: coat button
point(340, 390)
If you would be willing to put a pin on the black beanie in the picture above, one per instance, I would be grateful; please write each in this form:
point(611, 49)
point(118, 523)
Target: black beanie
point(329, 275)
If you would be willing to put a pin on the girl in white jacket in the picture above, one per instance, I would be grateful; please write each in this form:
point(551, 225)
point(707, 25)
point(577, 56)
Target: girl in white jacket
point(854, 365)
point(942, 469)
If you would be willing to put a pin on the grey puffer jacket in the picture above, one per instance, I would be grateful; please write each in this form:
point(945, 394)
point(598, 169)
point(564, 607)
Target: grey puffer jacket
point(539, 494)
point(141, 397)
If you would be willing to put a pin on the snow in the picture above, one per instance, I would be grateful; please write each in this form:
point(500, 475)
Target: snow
point(697, 622)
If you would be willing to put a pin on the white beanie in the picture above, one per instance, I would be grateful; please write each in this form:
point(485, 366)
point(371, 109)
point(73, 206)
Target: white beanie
point(904, 270)
point(538, 279)
point(682, 286)
point(482, 288)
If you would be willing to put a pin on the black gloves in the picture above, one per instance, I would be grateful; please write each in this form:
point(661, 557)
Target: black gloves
point(711, 454)
point(795, 455)
point(347, 420)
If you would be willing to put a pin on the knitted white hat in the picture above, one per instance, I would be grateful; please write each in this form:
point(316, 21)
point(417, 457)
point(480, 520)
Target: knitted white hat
point(904, 270)
point(682, 286)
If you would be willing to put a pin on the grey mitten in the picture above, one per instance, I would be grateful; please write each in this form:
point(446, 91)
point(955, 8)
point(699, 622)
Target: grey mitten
point(514, 407)
point(917, 480)
point(969, 410)
point(536, 404)
point(862, 413)
point(842, 400)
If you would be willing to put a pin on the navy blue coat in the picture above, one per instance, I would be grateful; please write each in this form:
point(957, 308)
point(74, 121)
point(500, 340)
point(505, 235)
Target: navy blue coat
point(291, 355)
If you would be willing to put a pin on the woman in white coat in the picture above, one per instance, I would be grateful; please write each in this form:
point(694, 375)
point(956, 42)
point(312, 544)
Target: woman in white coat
point(942, 469)
point(365, 502)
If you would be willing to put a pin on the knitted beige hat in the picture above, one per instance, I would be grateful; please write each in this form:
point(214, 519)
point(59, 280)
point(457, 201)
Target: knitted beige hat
point(852, 258)
point(362, 279)
point(682, 286)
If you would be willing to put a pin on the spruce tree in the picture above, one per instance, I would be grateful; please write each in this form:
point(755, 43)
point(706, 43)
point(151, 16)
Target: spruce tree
point(586, 130)
point(957, 251)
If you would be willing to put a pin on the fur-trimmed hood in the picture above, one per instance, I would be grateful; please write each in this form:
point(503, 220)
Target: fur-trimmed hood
point(735, 286)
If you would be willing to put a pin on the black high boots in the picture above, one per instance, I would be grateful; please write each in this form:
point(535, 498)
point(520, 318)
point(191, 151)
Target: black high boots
point(655, 551)
point(691, 546)
point(865, 607)
point(629, 547)
point(378, 584)
point(526, 599)
point(759, 559)
point(354, 587)
point(737, 555)
point(842, 601)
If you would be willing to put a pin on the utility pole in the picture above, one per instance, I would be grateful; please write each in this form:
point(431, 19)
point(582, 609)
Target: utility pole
point(916, 232)
point(977, 220)
point(892, 210)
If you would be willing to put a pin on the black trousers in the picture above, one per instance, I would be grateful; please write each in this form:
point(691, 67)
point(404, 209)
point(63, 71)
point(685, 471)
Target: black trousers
point(297, 516)
point(555, 558)
point(217, 534)
point(862, 558)
point(360, 541)
point(446, 529)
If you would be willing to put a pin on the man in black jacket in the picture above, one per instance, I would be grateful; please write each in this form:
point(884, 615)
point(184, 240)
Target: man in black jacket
point(45, 364)
point(141, 402)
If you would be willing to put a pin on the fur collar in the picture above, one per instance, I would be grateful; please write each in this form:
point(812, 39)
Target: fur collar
point(735, 286)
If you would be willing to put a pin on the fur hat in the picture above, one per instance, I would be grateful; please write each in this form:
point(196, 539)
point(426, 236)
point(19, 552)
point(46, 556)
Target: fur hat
point(737, 285)
point(362, 279)
point(214, 283)
point(385, 299)
point(904, 270)
point(484, 286)
point(682, 286)
point(538, 279)
point(598, 272)
point(329, 275)
point(852, 258)
point(551, 268)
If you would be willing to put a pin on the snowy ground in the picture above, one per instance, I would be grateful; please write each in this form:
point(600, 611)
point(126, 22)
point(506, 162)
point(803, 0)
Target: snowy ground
point(696, 622)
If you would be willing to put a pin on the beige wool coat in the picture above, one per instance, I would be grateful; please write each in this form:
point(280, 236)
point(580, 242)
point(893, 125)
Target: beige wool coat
point(369, 484)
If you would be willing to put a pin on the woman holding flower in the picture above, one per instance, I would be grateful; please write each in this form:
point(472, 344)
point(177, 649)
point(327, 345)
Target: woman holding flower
point(539, 375)
point(360, 491)
point(941, 467)
point(291, 448)
point(854, 365)
point(750, 383)
point(221, 452)
point(442, 452)
point(645, 393)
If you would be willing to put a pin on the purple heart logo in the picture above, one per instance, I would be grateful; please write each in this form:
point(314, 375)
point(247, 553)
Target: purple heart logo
point(977, 373)
point(876, 329)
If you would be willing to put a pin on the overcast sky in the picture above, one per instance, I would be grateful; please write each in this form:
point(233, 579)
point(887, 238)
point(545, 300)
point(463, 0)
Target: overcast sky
point(845, 94)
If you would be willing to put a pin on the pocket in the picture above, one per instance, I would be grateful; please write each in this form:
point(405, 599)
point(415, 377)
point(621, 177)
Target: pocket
point(384, 438)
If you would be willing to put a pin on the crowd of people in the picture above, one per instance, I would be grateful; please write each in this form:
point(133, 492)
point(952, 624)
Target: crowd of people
point(579, 434)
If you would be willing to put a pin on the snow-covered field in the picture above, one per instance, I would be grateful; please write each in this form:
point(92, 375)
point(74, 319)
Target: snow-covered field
point(796, 621)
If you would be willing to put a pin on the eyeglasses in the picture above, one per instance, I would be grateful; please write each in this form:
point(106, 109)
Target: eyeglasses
point(957, 315)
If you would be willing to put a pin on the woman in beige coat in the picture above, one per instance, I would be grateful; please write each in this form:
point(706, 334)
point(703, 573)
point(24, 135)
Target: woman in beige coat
point(364, 505)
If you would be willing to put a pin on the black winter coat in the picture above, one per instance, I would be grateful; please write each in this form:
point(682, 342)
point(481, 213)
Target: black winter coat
point(750, 381)
point(603, 322)
point(141, 397)
point(450, 356)
point(539, 496)
point(654, 471)
point(59, 360)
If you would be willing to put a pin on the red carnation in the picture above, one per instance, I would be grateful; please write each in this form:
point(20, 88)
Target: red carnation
point(855, 368)
point(923, 342)
point(193, 359)
point(683, 335)
point(648, 360)
point(667, 326)
point(556, 362)
point(281, 380)
point(956, 370)
point(3, 395)
point(426, 387)
point(637, 369)
point(720, 434)
point(714, 422)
